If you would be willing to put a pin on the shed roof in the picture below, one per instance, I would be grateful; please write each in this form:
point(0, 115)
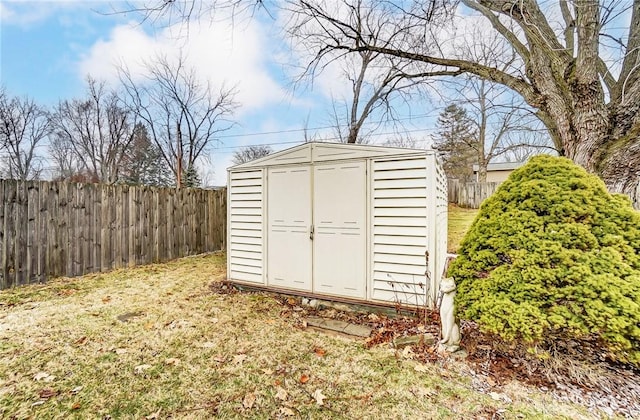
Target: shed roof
point(320, 152)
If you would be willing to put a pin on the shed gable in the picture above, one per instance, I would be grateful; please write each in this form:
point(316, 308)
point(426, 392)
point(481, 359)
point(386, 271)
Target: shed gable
point(323, 152)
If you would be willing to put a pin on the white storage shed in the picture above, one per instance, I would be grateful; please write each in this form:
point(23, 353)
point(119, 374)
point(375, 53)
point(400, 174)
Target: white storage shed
point(342, 222)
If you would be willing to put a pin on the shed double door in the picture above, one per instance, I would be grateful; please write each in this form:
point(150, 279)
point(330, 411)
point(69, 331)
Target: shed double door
point(317, 229)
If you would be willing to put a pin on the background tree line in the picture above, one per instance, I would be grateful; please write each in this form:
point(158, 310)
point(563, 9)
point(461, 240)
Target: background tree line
point(152, 128)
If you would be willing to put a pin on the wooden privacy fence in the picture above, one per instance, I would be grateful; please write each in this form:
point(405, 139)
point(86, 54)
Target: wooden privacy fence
point(50, 229)
point(470, 194)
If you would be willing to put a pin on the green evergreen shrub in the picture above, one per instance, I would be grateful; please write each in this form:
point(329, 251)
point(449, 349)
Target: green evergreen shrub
point(553, 255)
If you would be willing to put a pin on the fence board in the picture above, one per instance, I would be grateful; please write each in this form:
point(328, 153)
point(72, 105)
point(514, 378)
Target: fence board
point(21, 233)
point(50, 229)
point(32, 233)
point(470, 194)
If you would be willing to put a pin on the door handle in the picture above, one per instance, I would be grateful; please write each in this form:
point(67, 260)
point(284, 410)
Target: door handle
point(311, 233)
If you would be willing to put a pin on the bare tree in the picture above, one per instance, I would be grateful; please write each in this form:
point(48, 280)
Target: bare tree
point(96, 129)
point(182, 113)
point(377, 82)
point(63, 159)
point(500, 120)
point(249, 153)
point(590, 104)
point(23, 127)
point(590, 108)
point(374, 85)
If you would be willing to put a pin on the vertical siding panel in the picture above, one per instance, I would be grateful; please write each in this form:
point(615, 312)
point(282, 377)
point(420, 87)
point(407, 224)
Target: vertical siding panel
point(10, 233)
point(32, 234)
point(52, 229)
point(155, 221)
point(78, 239)
point(63, 226)
point(124, 227)
point(104, 229)
point(97, 227)
point(3, 237)
point(118, 227)
point(223, 218)
point(43, 240)
point(148, 225)
point(176, 224)
point(87, 252)
point(214, 221)
point(113, 228)
point(132, 225)
point(21, 225)
point(170, 223)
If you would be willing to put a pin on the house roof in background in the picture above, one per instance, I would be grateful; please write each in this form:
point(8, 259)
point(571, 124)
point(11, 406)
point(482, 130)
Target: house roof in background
point(501, 166)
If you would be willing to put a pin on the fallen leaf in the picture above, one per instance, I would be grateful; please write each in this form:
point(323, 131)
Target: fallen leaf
point(500, 397)
point(281, 394)
point(407, 352)
point(37, 403)
point(373, 317)
point(76, 390)
point(106, 299)
point(421, 392)
point(317, 395)
point(172, 361)
point(120, 351)
point(320, 352)
point(219, 359)
point(304, 379)
point(291, 301)
point(148, 326)
point(47, 393)
point(214, 320)
point(421, 368)
point(81, 340)
point(40, 376)
point(267, 371)
point(141, 368)
point(238, 359)
point(249, 400)
point(75, 406)
point(287, 412)
point(154, 416)
point(208, 345)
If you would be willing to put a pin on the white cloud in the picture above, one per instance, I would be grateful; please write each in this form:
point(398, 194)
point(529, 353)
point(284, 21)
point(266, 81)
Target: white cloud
point(234, 55)
point(27, 13)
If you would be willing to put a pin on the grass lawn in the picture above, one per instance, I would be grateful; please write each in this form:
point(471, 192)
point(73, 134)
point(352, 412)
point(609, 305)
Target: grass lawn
point(157, 342)
point(460, 220)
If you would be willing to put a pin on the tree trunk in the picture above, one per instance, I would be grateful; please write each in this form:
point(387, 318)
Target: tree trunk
point(609, 148)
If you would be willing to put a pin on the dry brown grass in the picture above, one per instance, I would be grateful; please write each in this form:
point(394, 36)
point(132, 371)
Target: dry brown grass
point(157, 342)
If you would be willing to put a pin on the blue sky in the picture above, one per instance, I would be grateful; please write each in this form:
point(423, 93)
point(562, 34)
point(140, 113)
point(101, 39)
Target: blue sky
point(48, 47)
